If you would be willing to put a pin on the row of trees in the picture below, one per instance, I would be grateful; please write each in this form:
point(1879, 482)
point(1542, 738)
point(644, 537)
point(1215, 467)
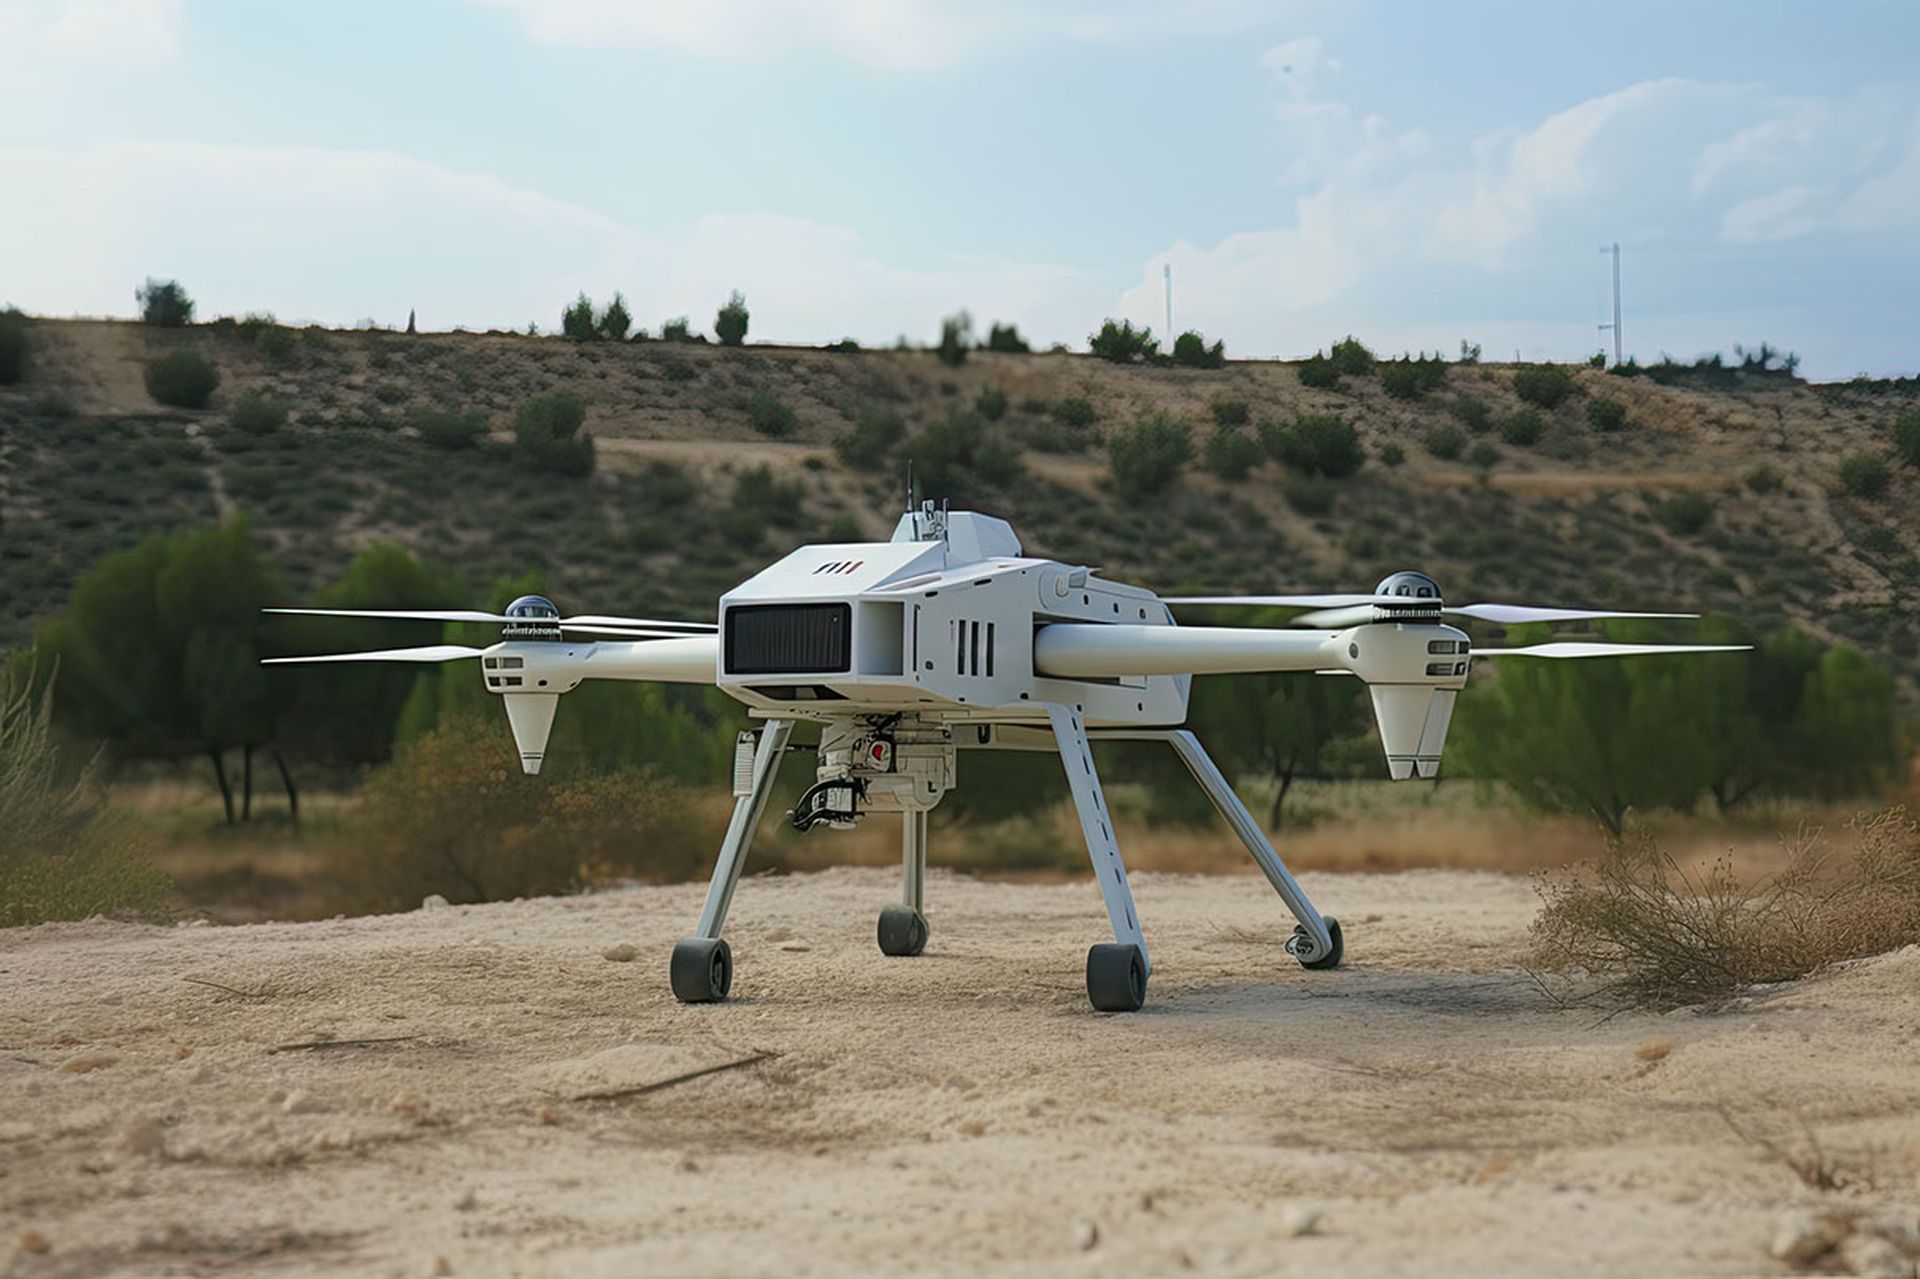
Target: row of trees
point(614, 323)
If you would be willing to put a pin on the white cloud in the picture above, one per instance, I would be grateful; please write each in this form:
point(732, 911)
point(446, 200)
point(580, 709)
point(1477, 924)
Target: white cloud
point(339, 235)
point(46, 44)
point(892, 34)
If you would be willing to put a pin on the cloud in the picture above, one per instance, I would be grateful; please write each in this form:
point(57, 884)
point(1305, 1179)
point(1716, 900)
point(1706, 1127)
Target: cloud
point(337, 235)
point(45, 45)
point(890, 34)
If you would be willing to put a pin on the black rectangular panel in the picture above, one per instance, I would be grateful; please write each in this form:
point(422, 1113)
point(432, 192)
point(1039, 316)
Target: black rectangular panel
point(775, 639)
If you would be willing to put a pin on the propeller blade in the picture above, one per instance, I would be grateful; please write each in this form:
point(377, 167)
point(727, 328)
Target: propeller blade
point(1333, 619)
point(1291, 601)
point(628, 632)
point(1580, 648)
point(586, 620)
point(400, 615)
point(1516, 614)
point(428, 653)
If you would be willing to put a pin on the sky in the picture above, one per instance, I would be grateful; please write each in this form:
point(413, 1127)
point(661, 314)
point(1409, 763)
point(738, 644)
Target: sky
point(1418, 174)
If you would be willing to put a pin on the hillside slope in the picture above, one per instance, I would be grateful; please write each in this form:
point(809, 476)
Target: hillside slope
point(89, 463)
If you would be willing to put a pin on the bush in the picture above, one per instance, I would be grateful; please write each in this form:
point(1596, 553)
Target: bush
point(1606, 415)
point(276, 343)
point(1764, 479)
point(444, 429)
point(1121, 343)
point(1074, 411)
point(1471, 413)
point(1190, 350)
point(546, 430)
point(1483, 456)
point(1391, 454)
point(1309, 494)
point(1409, 378)
point(1148, 457)
point(1006, 339)
point(956, 335)
point(257, 413)
point(1651, 934)
point(1906, 434)
point(1631, 368)
point(1523, 429)
point(15, 343)
point(844, 346)
point(991, 404)
point(768, 415)
point(760, 501)
point(1545, 385)
point(577, 321)
point(676, 369)
point(1231, 453)
point(1684, 514)
point(1315, 444)
point(956, 457)
point(873, 436)
point(730, 322)
point(1445, 442)
point(616, 320)
point(1318, 372)
point(1864, 475)
point(1351, 358)
point(1229, 412)
point(182, 379)
point(679, 330)
point(164, 303)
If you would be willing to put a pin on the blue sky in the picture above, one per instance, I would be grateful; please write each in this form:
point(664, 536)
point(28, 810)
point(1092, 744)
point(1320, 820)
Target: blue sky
point(1413, 173)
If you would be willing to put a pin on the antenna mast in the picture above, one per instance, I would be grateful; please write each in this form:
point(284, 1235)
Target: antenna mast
point(1614, 249)
point(1166, 273)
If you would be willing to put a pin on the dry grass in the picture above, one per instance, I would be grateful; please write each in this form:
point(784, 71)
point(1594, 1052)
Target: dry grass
point(1647, 932)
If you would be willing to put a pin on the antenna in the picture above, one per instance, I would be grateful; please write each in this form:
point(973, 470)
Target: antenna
point(909, 484)
point(1166, 272)
point(1614, 249)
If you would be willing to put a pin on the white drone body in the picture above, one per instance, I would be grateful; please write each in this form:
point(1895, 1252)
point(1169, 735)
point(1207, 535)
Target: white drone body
point(948, 638)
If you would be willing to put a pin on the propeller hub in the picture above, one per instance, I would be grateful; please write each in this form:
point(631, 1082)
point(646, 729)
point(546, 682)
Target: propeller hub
point(1420, 593)
point(533, 618)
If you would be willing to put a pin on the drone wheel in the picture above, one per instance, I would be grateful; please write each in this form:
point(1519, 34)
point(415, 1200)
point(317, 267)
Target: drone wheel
point(1116, 977)
point(701, 970)
point(1332, 958)
point(903, 931)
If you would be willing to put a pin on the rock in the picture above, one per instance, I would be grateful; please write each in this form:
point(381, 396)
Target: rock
point(1871, 1256)
point(466, 1203)
point(1653, 1049)
point(547, 1115)
point(1085, 1236)
point(86, 1062)
point(973, 1128)
point(143, 1138)
point(795, 945)
point(620, 954)
point(433, 901)
point(302, 1102)
point(35, 1242)
point(440, 1269)
point(406, 1103)
point(1297, 1220)
point(1803, 1235)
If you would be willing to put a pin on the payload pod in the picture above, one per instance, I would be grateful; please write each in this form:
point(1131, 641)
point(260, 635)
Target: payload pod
point(531, 715)
point(1413, 722)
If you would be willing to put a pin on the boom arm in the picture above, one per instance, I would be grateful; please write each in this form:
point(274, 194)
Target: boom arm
point(1068, 650)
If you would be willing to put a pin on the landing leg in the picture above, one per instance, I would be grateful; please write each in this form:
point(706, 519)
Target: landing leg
point(903, 928)
point(1117, 971)
point(1316, 942)
point(702, 968)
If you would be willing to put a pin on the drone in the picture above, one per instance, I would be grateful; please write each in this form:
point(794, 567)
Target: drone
point(948, 638)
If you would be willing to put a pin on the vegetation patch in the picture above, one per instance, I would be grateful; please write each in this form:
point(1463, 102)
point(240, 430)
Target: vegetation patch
point(182, 380)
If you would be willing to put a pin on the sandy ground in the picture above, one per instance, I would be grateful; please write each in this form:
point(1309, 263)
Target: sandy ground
point(961, 1112)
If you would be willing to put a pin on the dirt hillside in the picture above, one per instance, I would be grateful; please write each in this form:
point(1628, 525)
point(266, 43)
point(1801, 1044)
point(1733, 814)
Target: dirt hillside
point(188, 1100)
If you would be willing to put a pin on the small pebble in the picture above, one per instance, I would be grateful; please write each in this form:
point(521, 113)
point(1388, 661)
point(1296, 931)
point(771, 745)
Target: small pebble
point(973, 1128)
point(35, 1242)
point(1297, 1220)
point(547, 1115)
point(302, 1102)
point(440, 1268)
point(143, 1138)
point(408, 1104)
point(1801, 1236)
point(1653, 1049)
point(620, 954)
point(1086, 1235)
point(795, 945)
point(466, 1203)
point(87, 1062)
point(433, 901)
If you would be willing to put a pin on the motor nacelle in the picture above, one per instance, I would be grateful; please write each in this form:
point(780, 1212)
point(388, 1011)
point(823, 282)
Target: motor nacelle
point(887, 764)
point(1414, 672)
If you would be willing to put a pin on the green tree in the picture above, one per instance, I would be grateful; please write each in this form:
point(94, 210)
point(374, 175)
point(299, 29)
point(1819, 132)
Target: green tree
point(1231, 453)
point(1006, 339)
point(1283, 726)
point(1148, 457)
point(546, 431)
point(730, 324)
point(956, 335)
point(958, 458)
point(1315, 444)
point(578, 322)
point(182, 379)
point(1350, 357)
point(1190, 350)
point(1545, 385)
point(15, 345)
point(616, 320)
point(1121, 343)
point(164, 303)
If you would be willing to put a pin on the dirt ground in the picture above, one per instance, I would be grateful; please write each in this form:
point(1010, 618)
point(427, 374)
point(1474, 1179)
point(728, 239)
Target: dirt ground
point(1426, 1110)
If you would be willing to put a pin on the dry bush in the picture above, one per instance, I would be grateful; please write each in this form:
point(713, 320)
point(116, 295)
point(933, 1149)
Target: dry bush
point(1651, 933)
point(454, 815)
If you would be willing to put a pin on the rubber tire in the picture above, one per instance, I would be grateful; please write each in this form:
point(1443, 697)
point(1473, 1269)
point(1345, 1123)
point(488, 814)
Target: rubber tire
point(902, 931)
point(1116, 977)
point(701, 970)
point(1332, 958)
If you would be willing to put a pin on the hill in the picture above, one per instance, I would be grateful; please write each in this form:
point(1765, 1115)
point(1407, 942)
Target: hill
point(1725, 497)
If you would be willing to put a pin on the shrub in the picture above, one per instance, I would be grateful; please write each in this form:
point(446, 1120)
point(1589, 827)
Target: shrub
point(1006, 339)
point(1649, 933)
point(1391, 454)
point(1121, 343)
point(1445, 442)
point(445, 429)
point(956, 457)
point(183, 379)
point(1231, 453)
point(1631, 368)
point(769, 415)
point(1606, 415)
point(257, 413)
point(577, 321)
point(676, 369)
point(546, 430)
point(616, 319)
point(164, 303)
point(1190, 350)
point(1764, 479)
point(991, 404)
point(1315, 444)
point(759, 500)
point(1483, 455)
point(1906, 434)
point(1864, 475)
point(1409, 378)
point(1545, 385)
point(1074, 411)
point(1229, 412)
point(15, 343)
point(1471, 413)
point(730, 322)
point(1351, 358)
point(1684, 514)
point(679, 330)
point(873, 435)
point(1317, 371)
point(843, 528)
point(1523, 429)
point(1309, 494)
point(956, 335)
point(1148, 457)
point(843, 346)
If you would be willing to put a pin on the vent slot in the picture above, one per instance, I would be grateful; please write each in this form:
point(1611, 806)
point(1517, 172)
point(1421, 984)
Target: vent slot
point(771, 639)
